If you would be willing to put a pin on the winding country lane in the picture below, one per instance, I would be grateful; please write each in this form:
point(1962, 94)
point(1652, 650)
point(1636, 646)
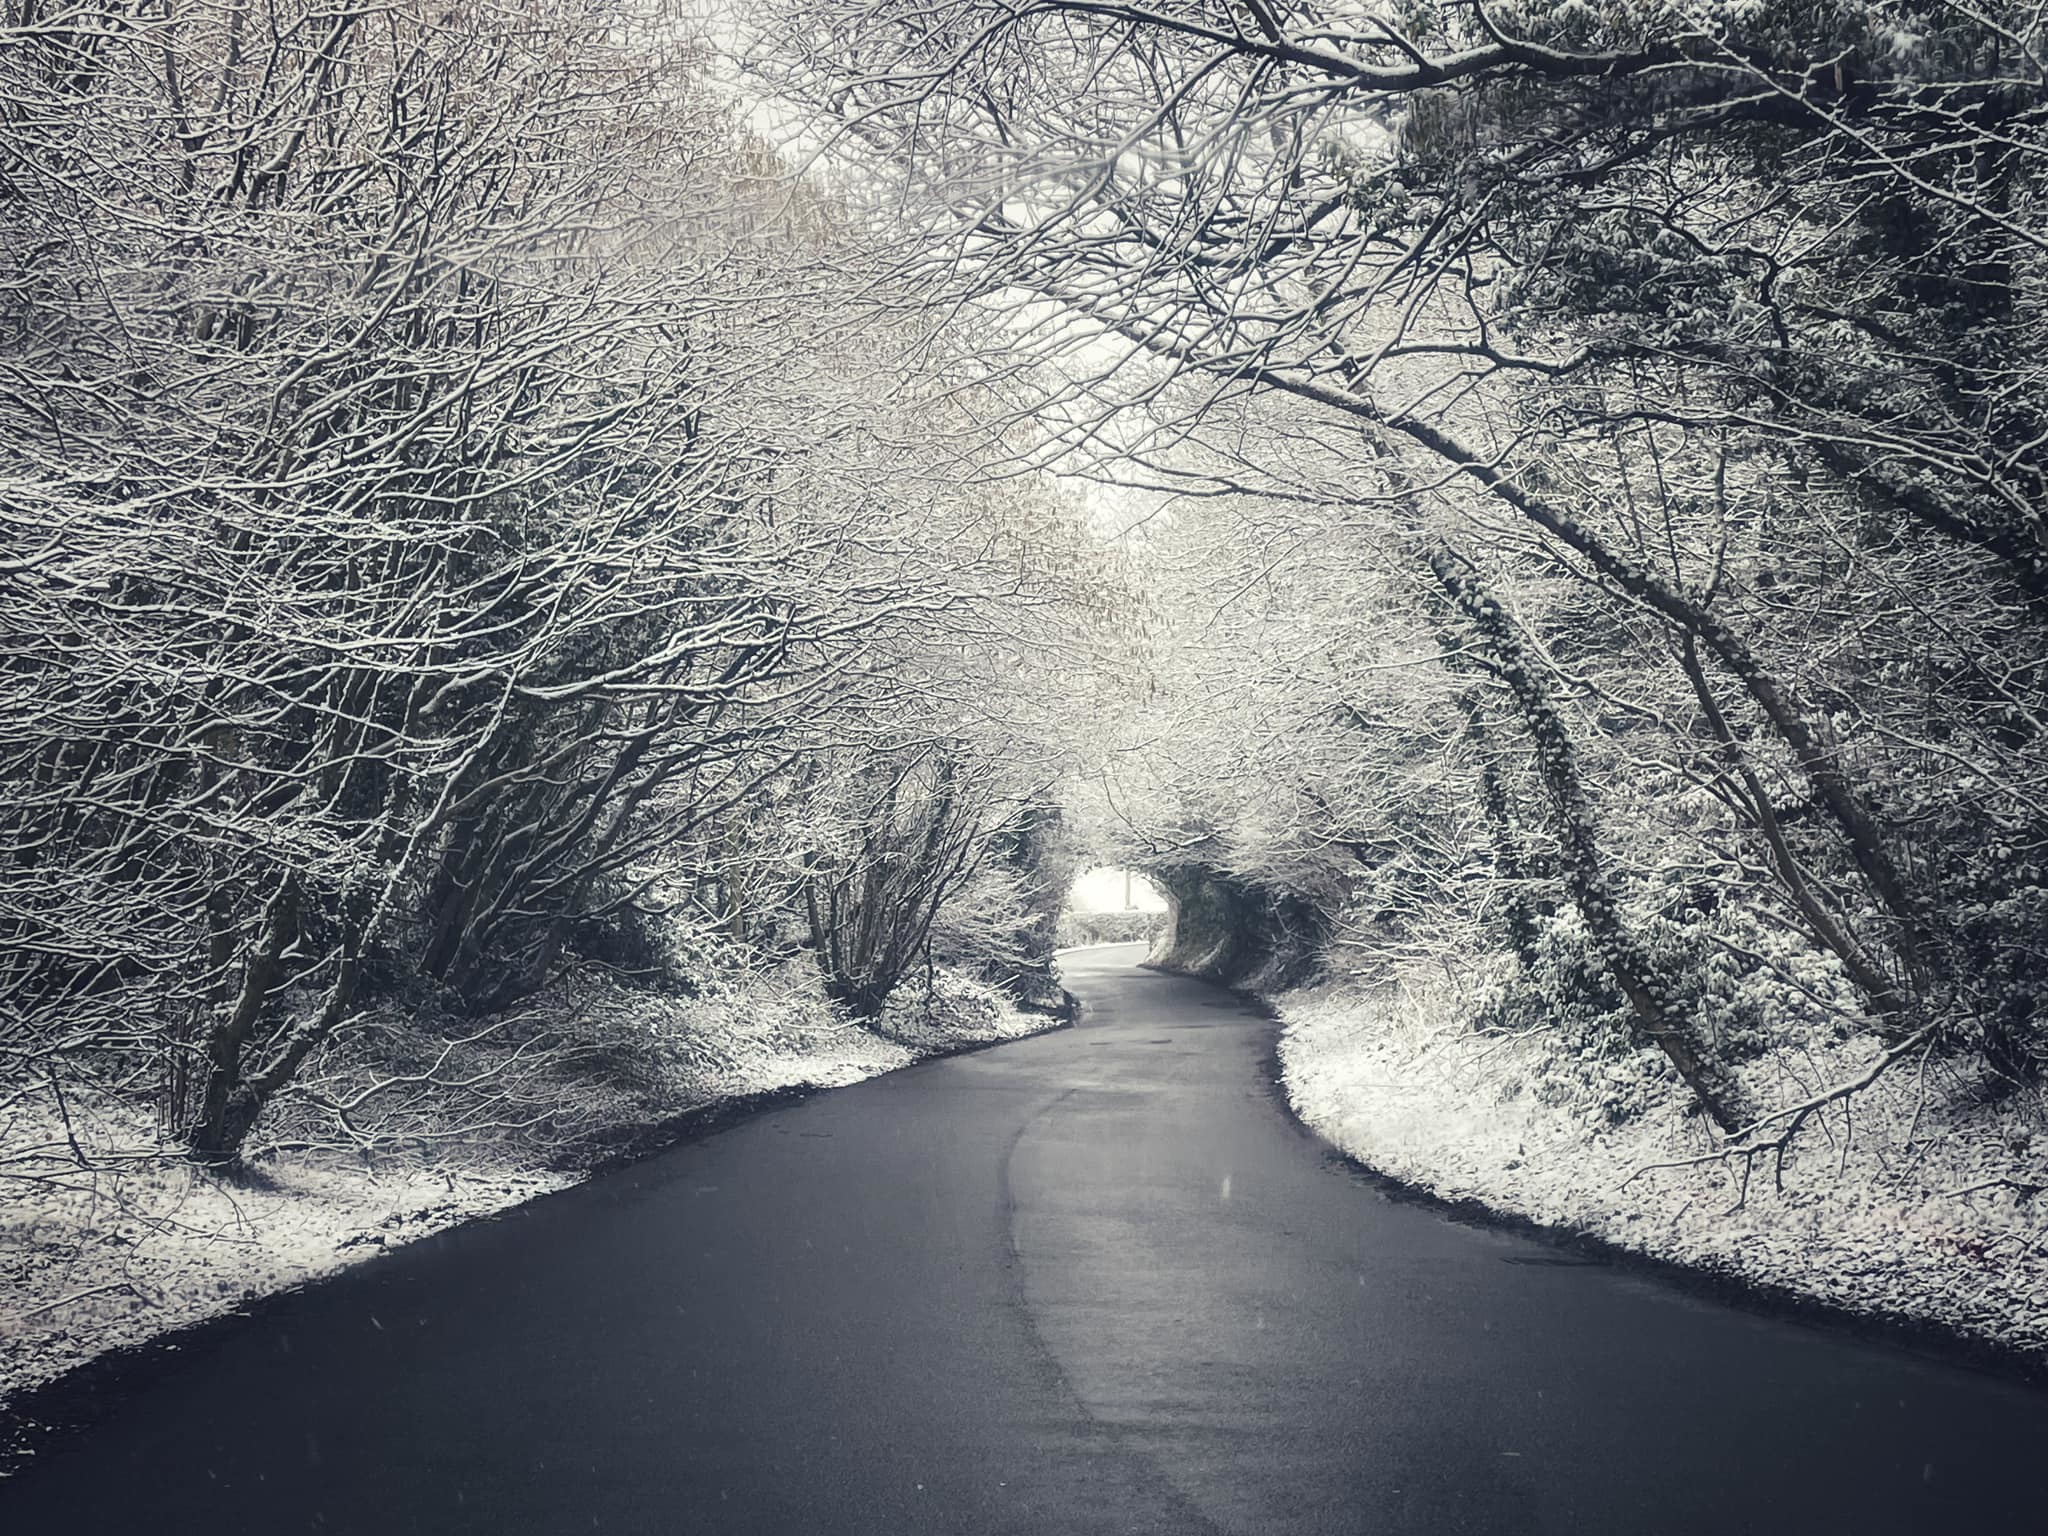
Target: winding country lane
point(1094, 1281)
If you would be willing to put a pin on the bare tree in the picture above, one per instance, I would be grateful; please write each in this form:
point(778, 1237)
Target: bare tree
point(437, 485)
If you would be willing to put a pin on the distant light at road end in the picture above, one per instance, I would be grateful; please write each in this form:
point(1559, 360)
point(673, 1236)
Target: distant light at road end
point(1113, 889)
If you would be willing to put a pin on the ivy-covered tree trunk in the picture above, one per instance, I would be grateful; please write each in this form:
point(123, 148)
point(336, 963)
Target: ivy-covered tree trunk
point(1656, 1002)
point(1511, 859)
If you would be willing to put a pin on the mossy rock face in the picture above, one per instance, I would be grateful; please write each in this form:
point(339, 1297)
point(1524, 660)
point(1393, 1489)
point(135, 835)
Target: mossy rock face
point(1234, 932)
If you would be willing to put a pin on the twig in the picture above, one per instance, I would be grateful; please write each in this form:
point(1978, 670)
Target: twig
point(1747, 1143)
point(64, 1114)
point(97, 1290)
point(2026, 1188)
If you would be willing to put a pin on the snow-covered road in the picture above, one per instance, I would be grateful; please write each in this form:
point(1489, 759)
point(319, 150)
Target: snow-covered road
point(1095, 1281)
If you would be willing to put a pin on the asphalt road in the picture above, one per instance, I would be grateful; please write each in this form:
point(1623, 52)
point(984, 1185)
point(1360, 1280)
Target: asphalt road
point(1091, 1282)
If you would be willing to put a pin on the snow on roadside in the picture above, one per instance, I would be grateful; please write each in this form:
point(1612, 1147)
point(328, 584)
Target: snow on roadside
point(91, 1260)
point(139, 1243)
point(959, 1012)
point(1913, 1202)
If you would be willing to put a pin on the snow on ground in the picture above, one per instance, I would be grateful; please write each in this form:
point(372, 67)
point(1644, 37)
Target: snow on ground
point(1916, 1201)
point(97, 1257)
point(91, 1260)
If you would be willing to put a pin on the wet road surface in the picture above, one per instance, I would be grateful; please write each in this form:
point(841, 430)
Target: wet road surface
point(1091, 1282)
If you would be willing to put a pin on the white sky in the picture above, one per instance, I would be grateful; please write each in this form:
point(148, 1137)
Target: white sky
point(1102, 890)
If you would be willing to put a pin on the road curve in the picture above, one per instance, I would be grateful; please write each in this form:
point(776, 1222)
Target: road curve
point(1091, 1282)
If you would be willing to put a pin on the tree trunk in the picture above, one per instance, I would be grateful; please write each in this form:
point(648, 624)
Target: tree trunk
point(226, 1108)
point(1654, 1000)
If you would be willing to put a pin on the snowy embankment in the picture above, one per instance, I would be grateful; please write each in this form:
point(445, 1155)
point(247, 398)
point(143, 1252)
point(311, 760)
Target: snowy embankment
point(1919, 1199)
point(106, 1242)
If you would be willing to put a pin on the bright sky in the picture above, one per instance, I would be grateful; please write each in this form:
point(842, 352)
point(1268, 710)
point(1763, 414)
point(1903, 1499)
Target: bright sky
point(1102, 890)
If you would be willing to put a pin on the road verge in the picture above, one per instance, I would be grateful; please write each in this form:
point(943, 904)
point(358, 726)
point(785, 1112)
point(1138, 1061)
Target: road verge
point(1932, 1251)
point(113, 1275)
